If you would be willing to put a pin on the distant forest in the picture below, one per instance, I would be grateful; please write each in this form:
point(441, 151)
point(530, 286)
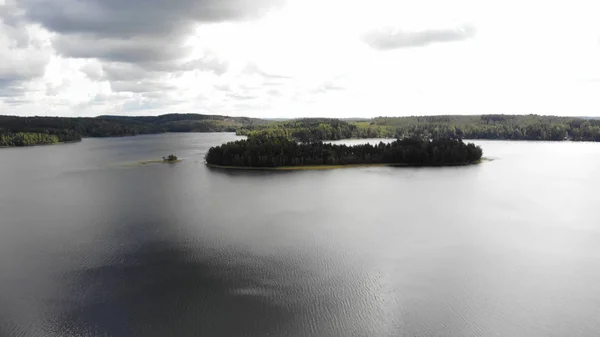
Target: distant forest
point(266, 151)
point(23, 131)
point(507, 127)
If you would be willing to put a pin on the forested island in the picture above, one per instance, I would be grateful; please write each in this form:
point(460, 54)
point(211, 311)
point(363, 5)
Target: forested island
point(25, 131)
point(271, 152)
point(170, 158)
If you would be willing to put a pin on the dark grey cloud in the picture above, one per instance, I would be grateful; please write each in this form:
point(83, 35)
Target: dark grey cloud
point(21, 65)
point(136, 58)
point(134, 50)
point(23, 55)
point(117, 71)
point(93, 70)
point(135, 39)
point(8, 88)
point(134, 18)
point(386, 39)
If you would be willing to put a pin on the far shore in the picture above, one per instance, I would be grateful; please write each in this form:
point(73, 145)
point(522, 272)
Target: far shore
point(43, 144)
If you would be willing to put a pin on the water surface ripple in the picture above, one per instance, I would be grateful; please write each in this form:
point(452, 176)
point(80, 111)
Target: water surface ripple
point(92, 244)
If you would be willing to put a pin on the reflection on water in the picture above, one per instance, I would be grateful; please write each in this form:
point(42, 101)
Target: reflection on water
point(159, 290)
point(88, 248)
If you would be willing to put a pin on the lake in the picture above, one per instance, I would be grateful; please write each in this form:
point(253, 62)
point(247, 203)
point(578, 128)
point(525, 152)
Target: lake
point(93, 244)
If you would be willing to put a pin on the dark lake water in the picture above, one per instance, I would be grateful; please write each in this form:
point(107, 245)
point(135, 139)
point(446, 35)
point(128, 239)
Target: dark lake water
point(92, 244)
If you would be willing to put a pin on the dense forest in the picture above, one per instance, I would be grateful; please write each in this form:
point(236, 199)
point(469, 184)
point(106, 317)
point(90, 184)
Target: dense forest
point(317, 129)
point(275, 151)
point(515, 127)
point(22, 131)
point(508, 127)
point(27, 139)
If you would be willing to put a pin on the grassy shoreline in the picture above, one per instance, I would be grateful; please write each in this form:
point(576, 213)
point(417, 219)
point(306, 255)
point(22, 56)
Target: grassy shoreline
point(43, 144)
point(331, 167)
point(158, 161)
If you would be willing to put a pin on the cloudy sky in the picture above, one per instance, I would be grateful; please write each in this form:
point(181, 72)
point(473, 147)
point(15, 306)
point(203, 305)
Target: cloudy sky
point(289, 58)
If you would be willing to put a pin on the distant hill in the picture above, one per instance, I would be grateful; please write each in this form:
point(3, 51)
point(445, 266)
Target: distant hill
point(162, 119)
point(21, 131)
point(505, 127)
point(191, 122)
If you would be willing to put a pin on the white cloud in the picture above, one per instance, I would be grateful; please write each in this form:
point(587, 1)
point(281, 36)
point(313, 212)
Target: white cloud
point(299, 57)
point(391, 38)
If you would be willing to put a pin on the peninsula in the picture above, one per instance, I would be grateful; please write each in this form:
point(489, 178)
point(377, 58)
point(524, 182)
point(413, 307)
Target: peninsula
point(285, 153)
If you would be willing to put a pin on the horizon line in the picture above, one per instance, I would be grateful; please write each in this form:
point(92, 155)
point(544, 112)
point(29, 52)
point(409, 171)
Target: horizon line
point(306, 117)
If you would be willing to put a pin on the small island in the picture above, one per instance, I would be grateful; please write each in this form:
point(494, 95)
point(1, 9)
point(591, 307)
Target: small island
point(170, 158)
point(261, 152)
point(165, 160)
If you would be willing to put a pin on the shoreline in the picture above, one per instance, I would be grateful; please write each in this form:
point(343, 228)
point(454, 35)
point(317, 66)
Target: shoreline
point(324, 141)
point(36, 145)
point(158, 161)
point(332, 167)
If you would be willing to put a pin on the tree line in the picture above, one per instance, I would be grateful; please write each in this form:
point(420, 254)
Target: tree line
point(274, 151)
point(506, 127)
point(318, 129)
point(25, 131)
point(27, 139)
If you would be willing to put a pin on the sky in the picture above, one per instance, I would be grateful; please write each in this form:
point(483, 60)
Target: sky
point(294, 58)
